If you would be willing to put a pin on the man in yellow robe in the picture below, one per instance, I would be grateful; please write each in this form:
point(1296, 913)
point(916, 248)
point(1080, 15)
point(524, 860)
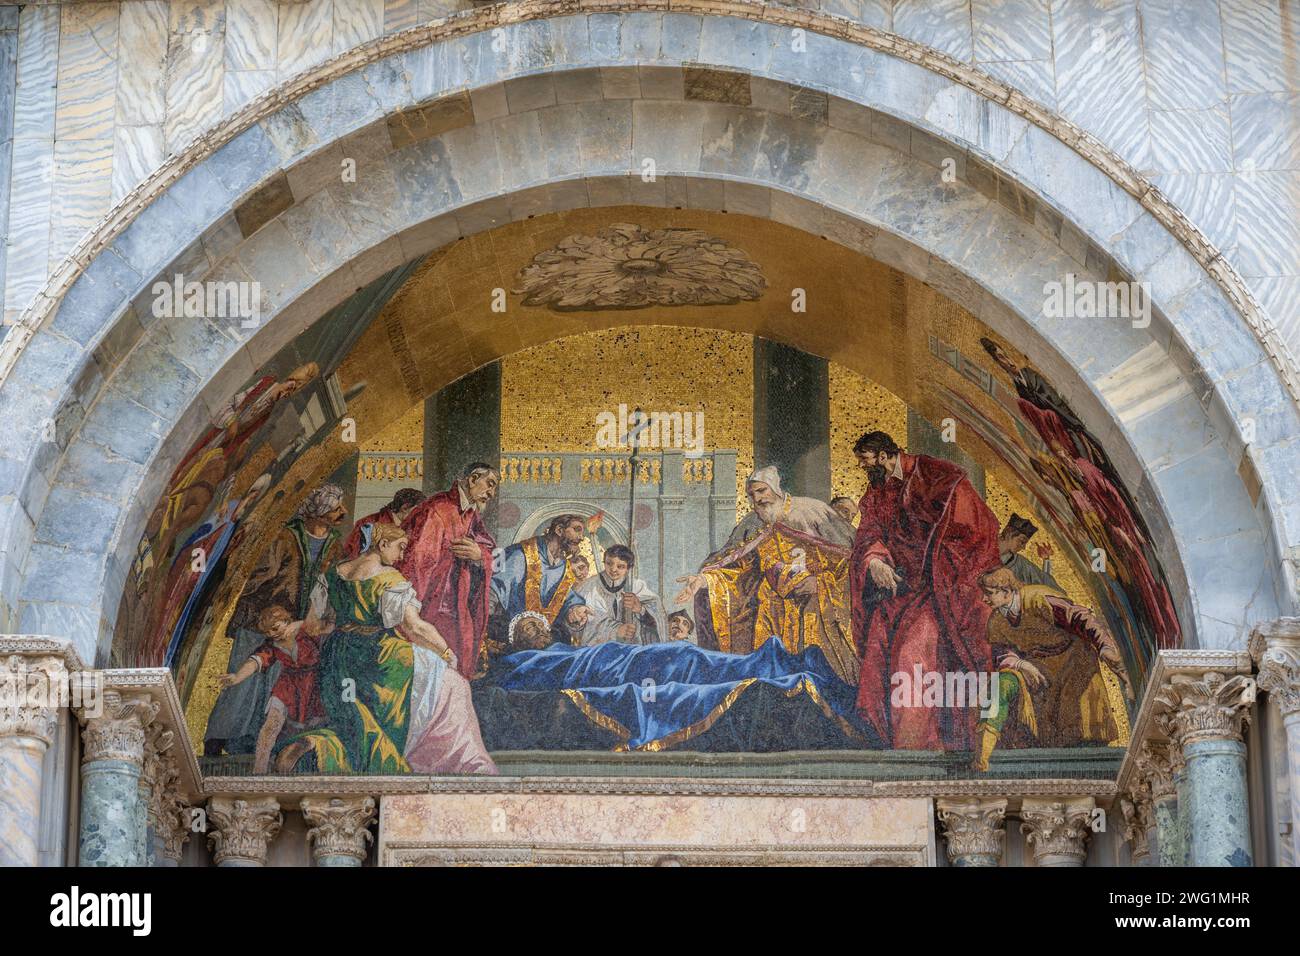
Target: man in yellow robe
point(782, 573)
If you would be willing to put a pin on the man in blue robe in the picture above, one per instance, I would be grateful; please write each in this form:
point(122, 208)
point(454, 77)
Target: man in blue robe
point(534, 575)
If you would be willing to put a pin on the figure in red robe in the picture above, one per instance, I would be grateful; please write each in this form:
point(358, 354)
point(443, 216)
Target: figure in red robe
point(924, 537)
point(449, 561)
point(395, 512)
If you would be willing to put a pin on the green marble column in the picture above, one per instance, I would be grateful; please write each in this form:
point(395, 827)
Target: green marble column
point(1160, 766)
point(792, 417)
point(1205, 715)
point(113, 745)
point(339, 834)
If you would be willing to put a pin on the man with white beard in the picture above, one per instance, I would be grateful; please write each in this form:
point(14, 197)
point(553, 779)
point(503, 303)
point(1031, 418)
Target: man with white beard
point(782, 573)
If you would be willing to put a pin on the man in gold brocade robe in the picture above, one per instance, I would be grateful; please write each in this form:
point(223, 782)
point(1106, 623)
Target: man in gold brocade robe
point(782, 573)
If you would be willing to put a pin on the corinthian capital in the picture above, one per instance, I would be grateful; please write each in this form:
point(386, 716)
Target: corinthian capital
point(115, 728)
point(1057, 830)
point(32, 690)
point(1275, 648)
point(1139, 817)
point(1158, 764)
point(973, 828)
point(171, 811)
point(339, 827)
point(1209, 706)
point(242, 830)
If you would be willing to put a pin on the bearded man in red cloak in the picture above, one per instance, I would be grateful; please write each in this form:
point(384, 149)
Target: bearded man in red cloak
point(449, 561)
point(924, 537)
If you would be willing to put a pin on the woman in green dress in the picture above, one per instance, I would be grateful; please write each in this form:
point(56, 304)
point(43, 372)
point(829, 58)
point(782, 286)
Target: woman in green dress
point(393, 698)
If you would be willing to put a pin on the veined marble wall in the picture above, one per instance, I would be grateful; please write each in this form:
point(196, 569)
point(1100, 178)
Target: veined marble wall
point(1204, 98)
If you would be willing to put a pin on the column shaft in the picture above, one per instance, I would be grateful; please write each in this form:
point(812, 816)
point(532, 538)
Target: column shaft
point(21, 760)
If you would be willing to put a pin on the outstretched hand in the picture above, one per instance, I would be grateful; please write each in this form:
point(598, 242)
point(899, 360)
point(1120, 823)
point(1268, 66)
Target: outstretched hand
point(693, 584)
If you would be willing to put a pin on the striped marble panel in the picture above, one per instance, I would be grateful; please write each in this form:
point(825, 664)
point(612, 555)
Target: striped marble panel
point(437, 9)
point(197, 16)
point(83, 191)
point(357, 21)
point(1208, 201)
point(1191, 141)
point(1280, 297)
point(1266, 130)
point(142, 53)
point(1099, 80)
point(195, 66)
point(1262, 45)
point(38, 64)
point(1268, 224)
point(1183, 43)
point(251, 29)
point(240, 86)
point(400, 14)
point(87, 72)
point(1034, 78)
point(942, 24)
point(304, 35)
point(1011, 29)
point(137, 152)
point(28, 255)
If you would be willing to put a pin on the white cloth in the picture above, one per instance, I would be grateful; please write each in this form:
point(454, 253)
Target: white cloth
point(602, 622)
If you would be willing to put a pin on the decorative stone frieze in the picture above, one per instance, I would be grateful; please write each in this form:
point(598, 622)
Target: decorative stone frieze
point(1057, 831)
point(241, 831)
point(974, 829)
point(340, 828)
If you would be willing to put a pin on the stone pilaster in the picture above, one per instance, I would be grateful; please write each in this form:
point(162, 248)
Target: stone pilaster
point(113, 746)
point(974, 829)
point(1057, 829)
point(1275, 649)
point(241, 831)
point(158, 740)
point(29, 717)
point(1139, 820)
point(340, 829)
point(173, 816)
point(1160, 765)
point(1205, 715)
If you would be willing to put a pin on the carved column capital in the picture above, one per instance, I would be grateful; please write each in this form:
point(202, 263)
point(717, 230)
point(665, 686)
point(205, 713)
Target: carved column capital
point(1158, 764)
point(1057, 830)
point(339, 826)
point(33, 688)
point(114, 729)
point(1209, 706)
point(973, 828)
point(1139, 817)
point(171, 809)
point(157, 742)
point(241, 831)
point(1275, 649)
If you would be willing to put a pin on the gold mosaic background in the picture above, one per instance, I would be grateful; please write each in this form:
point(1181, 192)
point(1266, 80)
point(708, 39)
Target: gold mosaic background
point(551, 394)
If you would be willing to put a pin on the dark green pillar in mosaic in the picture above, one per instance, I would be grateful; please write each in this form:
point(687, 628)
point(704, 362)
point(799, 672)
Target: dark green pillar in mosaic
point(792, 421)
point(462, 423)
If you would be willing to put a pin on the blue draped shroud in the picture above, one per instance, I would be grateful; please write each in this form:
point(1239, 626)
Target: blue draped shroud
point(689, 688)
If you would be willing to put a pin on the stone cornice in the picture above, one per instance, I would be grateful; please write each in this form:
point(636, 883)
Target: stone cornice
point(157, 682)
point(290, 790)
point(1126, 176)
point(37, 645)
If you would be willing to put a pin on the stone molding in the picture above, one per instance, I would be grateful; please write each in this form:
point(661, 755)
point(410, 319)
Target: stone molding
point(1106, 160)
point(340, 826)
point(292, 789)
point(973, 827)
point(490, 854)
point(119, 731)
point(242, 830)
point(1210, 707)
point(1275, 649)
point(1057, 830)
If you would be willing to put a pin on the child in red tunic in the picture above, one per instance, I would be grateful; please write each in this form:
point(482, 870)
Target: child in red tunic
point(295, 703)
